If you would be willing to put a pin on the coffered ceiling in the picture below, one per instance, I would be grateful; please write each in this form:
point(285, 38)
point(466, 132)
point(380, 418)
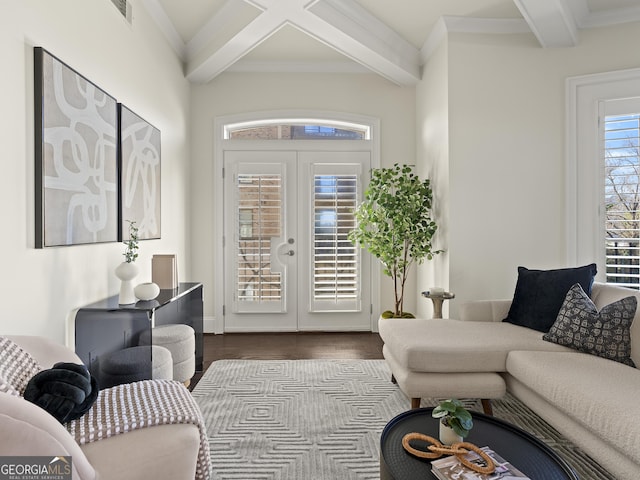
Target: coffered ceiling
point(392, 38)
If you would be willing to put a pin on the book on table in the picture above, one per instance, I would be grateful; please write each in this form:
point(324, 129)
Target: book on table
point(450, 468)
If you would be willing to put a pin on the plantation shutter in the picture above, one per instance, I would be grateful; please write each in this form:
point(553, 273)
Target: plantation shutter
point(335, 274)
point(622, 197)
point(258, 227)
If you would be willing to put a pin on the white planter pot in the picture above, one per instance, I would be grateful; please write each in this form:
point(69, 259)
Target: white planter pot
point(126, 272)
point(146, 291)
point(447, 435)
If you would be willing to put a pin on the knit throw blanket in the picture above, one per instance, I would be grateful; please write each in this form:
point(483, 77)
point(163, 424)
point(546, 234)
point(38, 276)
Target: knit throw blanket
point(117, 410)
point(16, 367)
point(131, 406)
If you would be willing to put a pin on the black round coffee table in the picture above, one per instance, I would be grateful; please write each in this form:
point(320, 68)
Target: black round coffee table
point(528, 454)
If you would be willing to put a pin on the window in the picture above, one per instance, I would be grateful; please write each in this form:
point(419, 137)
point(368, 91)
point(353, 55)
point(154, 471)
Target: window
point(335, 265)
point(296, 129)
point(602, 220)
point(259, 220)
point(622, 198)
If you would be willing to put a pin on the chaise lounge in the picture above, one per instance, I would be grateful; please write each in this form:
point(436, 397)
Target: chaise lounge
point(590, 399)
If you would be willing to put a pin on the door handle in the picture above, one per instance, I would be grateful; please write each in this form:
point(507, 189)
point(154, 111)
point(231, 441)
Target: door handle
point(284, 249)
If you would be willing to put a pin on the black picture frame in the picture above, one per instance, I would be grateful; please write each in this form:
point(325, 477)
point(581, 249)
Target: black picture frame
point(76, 164)
point(139, 160)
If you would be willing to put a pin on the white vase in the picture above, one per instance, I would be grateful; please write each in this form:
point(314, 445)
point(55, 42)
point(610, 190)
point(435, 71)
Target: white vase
point(126, 272)
point(146, 291)
point(447, 435)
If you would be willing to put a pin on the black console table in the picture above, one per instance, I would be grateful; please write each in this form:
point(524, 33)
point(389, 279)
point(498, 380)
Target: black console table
point(105, 326)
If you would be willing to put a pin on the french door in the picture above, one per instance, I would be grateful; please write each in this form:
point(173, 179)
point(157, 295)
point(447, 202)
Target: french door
point(289, 265)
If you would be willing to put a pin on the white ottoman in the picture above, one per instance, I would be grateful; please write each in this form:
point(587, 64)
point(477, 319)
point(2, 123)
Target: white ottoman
point(180, 340)
point(132, 365)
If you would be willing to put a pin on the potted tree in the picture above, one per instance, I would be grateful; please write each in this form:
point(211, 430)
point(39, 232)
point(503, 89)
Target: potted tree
point(455, 420)
point(394, 224)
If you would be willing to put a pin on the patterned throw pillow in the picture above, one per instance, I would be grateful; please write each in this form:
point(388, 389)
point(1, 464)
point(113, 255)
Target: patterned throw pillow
point(605, 333)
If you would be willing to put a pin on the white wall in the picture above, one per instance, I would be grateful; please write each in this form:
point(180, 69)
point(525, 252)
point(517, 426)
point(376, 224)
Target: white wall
point(233, 93)
point(506, 152)
point(134, 64)
point(432, 135)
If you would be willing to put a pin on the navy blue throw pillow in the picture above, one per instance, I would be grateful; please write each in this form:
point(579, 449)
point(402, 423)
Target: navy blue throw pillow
point(539, 294)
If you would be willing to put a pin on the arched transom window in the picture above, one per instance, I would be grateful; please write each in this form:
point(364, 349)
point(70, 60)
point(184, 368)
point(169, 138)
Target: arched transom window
point(296, 129)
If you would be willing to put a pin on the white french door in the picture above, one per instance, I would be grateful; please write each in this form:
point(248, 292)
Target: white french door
point(289, 265)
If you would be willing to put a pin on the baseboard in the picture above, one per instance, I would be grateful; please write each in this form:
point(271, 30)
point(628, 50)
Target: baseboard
point(209, 325)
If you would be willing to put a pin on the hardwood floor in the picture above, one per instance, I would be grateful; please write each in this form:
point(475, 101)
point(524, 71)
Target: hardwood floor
point(289, 346)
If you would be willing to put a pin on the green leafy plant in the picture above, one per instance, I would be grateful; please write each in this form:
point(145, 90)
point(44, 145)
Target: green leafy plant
point(394, 224)
point(131, 252)
point(452, 413)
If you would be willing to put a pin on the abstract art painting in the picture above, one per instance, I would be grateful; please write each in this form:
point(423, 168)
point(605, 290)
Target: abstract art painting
point(139, 174)
point(76, 165)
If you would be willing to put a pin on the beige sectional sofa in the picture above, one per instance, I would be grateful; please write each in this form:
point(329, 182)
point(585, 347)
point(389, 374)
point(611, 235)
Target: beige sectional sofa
point(593, 401)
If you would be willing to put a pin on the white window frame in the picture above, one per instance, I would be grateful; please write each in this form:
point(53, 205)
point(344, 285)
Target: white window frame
point(584, 164)
point(614, 108)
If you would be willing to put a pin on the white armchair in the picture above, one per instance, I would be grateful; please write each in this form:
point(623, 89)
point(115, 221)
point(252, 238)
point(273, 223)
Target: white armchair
point(159, 452)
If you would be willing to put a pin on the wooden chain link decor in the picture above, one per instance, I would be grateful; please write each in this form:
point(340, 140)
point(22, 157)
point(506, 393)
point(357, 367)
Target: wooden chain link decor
point(437, 450)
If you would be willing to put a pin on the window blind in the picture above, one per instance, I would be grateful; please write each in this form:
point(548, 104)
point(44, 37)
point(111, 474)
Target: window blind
point(622, 199)
point(259, 220)
point(335, 273)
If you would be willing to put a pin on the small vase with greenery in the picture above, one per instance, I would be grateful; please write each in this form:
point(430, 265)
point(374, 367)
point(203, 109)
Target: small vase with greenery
point(394, 224)
point(128, 270)
point(131, 252)
point(453, 415)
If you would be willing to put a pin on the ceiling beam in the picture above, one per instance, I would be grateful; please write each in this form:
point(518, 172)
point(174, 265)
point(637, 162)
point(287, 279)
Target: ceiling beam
point(352, 30)
point(159, 15)
point(342, 25)
point(211, 30)
point(237, 47)
point(551, 21)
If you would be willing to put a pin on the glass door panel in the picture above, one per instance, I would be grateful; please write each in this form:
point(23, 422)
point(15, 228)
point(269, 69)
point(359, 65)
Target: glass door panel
point(259, 242)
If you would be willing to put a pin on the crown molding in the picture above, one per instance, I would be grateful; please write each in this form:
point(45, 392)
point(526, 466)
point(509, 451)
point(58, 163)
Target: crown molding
point(298, 67)
point(498, 26)
point(608, 18)
point(455, 24)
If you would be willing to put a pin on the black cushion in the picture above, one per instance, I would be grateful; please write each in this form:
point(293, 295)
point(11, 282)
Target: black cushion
point(66, 391)
point(132, 360)
point(539, 294)
point(605, 333)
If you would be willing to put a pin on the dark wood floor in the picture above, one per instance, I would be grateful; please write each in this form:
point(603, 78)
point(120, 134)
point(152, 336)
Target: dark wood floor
point(290, 346)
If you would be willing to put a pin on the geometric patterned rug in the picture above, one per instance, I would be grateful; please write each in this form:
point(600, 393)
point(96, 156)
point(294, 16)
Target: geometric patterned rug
point(322, 419)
